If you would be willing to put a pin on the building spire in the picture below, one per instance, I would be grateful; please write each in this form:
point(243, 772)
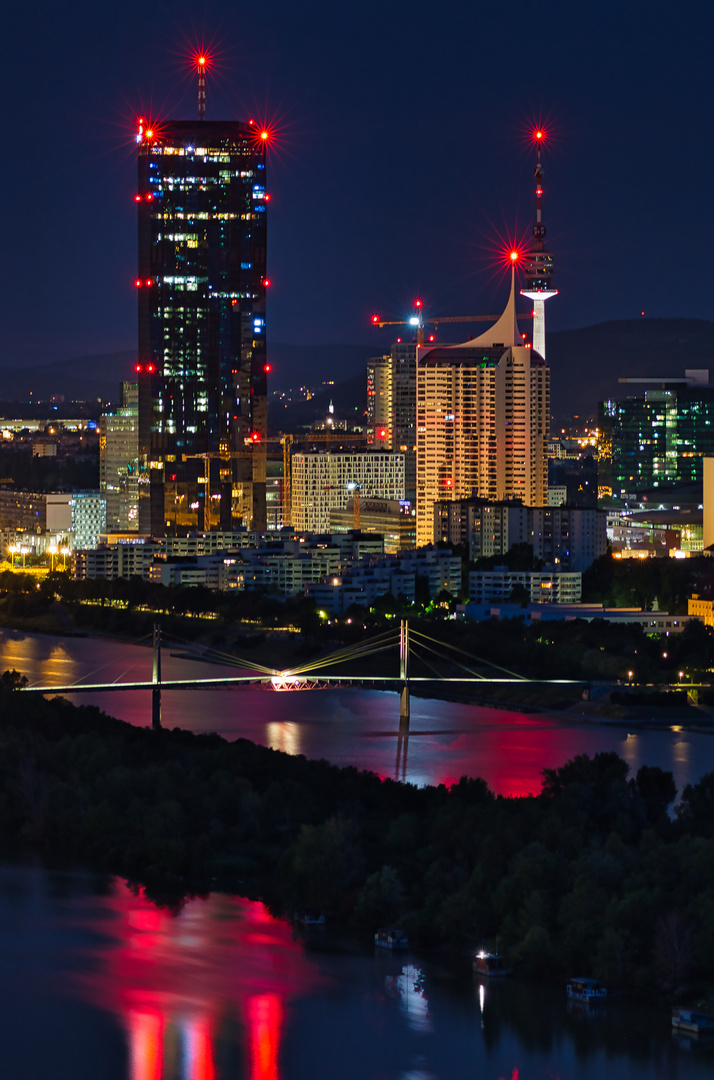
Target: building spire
point(505, 331)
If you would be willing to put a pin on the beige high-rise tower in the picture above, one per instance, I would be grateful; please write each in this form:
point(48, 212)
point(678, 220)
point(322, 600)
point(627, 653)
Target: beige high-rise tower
point(483, 421)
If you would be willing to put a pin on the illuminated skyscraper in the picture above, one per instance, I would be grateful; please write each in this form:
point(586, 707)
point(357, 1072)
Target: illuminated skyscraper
point(201, 284)
point(118, 461)
point(391, 406)
point(483, 421)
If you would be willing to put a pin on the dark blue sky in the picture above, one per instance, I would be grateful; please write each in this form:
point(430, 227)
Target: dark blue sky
point(402, 153)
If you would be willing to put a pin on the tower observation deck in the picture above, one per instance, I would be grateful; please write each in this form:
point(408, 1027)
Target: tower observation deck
point(538, 266)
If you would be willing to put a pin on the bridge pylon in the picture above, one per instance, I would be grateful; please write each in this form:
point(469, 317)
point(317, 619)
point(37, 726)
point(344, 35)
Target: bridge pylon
point(156, 680)
point(404, 706)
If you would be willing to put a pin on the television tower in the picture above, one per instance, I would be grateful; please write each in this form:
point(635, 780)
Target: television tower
point(539, 263)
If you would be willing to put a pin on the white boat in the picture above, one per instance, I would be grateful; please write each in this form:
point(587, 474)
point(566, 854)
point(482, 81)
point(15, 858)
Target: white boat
point(389, 938)
point(491, 964)
point(589, 990)
point(695, 1021)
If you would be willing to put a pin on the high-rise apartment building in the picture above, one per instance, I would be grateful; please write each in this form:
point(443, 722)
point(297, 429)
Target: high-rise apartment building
point(657, 438)
point(89, 518)
point(391, 406)
point(327, 481)
point(201, 286)
point(483, 421)
point(119, 461)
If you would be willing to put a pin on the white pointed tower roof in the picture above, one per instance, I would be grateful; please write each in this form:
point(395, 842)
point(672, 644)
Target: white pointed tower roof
point(504, 332)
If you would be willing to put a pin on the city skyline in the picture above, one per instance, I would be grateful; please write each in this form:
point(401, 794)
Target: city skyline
point(388, 180)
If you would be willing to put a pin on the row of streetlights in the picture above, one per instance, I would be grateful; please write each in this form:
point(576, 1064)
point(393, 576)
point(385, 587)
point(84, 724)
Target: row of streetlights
point(631, 675)
point(17, 549)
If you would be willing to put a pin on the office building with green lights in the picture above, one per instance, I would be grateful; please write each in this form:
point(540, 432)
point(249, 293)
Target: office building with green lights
point(657, 438)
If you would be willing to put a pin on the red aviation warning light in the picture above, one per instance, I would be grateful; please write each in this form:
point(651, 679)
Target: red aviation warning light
point(138, 369)
point(417, 303)
point(201, 61)
point(267, 282)
point(267, 368)
point(255, 436)
point(375, 320)
point(514, 255)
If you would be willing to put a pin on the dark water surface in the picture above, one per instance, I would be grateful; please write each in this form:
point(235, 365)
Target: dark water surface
point(96, 982)
point(356, 727)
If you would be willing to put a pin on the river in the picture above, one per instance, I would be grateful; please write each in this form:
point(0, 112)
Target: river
point(97, 982)
point(356, 727)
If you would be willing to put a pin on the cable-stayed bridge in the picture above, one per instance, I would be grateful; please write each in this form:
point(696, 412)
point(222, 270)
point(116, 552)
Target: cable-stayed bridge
point(440, 664)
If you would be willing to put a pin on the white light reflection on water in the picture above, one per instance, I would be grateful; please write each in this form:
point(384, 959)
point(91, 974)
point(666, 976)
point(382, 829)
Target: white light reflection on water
point(414, 1002)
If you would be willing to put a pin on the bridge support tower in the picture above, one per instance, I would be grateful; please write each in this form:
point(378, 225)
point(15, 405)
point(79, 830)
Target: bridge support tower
point(156, 679)
point(404, 706)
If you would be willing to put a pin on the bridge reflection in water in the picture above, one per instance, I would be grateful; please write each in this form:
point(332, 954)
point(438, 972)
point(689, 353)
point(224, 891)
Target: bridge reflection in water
point(319, 673)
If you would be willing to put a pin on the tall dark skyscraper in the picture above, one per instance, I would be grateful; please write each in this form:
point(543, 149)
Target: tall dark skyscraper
point(201, 285)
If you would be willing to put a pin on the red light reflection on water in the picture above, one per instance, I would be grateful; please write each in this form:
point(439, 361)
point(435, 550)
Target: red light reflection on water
point(265, 1016)
point(172, 978)
point(146, 1045)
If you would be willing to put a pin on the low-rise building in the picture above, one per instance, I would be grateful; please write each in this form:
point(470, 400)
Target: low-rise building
point(541, 586)
point(570, 537)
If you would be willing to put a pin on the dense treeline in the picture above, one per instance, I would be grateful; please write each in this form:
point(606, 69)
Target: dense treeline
point(590, 876)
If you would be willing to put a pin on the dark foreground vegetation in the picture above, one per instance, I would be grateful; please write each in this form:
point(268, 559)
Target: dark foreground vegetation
point(591, 876)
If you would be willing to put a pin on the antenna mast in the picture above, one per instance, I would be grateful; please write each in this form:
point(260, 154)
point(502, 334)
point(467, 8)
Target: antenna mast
point(539, 263)
point(201, 68)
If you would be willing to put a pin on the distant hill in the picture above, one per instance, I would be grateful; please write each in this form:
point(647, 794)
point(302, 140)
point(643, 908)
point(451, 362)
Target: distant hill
point(84, 378)
point(585, 366)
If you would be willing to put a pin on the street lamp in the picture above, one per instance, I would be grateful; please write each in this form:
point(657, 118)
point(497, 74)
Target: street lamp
point(13, 551)
point(24, 551)
point(630, 675)
point(53, 556)
point(64, 553)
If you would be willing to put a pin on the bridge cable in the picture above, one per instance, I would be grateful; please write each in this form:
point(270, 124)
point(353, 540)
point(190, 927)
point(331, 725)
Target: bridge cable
point(480, 659)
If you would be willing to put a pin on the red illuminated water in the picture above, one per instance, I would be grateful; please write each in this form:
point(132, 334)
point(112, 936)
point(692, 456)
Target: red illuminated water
point(97, 982)
point(353, 727)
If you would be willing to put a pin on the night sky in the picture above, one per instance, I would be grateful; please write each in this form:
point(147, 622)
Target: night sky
point(401, 155)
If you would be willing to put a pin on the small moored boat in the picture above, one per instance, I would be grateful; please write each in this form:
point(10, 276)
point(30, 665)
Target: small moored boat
point(491, 964)
point(695, 1021)
point(589, 990)
point(310, 918)
point(389, 938)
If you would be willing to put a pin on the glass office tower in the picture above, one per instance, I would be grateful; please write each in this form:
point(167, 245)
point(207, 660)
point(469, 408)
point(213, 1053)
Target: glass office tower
point(655, 439)
point(201, 285)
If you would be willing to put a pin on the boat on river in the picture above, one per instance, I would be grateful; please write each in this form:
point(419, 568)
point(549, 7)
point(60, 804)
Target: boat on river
point(390, 938)
point(589, 990)
point(309, 918)
point(698, 1020)
point(491, 965)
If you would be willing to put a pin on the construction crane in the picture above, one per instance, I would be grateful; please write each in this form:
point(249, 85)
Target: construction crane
point(288, 441)
point(223, 455)
point(418, 322)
